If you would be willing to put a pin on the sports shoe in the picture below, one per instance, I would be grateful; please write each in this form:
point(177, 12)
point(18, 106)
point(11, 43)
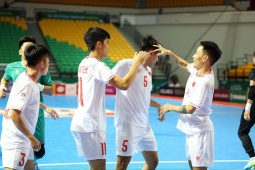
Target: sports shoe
point(250, 165)
point(36, 167)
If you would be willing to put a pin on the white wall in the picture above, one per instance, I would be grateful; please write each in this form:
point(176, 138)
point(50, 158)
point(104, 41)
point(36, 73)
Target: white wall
point(179, 29)
point(234, 32)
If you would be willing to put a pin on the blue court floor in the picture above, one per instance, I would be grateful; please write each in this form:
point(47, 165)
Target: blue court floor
point(61, 151)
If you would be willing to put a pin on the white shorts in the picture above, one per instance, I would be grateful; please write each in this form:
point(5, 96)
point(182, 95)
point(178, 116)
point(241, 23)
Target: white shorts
point(16, 158)
point(133, 139)
point(91, 145)
point(200, 149)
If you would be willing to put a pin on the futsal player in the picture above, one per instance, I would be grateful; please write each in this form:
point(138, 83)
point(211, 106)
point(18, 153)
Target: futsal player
point(12, 71)
point(17, 138)
point(131, 117)
point(194, 119)
point(88, 125)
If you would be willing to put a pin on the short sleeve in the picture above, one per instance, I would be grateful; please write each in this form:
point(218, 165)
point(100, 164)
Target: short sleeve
point(7, 73)
point(191, 68)
point(21, 93)
point(200, 92)
point(120, 68)
point(103, 73)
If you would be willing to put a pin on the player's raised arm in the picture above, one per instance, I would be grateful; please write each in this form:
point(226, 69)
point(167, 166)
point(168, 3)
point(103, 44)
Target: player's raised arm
point(126, 81)
point(162, 51)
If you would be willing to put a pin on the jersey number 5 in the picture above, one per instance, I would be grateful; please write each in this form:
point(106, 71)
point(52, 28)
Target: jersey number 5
point(124, 146)
point(145, 82)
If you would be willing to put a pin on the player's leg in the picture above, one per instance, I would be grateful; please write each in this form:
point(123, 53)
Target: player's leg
point(200, 150)
point(243, 134)
point(195, 168)
point(123, 162)
point(151, 160)
point(148, 147)
point(40, 135)
point(30, 161)
point(93, 147)
point(15, 158)
point(99, 164)
point(127, 137)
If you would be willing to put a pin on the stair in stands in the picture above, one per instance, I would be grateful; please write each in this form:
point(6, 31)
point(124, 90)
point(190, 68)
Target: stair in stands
point(37, 34)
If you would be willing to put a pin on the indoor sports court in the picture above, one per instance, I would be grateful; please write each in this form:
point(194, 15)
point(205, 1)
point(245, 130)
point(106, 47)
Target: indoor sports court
point(61, 150)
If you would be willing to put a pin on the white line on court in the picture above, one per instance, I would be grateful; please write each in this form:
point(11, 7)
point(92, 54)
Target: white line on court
point(136, 162)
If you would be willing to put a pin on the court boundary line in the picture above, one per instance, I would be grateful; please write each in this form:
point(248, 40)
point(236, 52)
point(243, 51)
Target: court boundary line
point(135, 162)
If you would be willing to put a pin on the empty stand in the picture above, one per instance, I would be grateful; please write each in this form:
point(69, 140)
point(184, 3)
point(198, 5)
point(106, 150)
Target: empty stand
point(65, 39)
point(12, 28)
point(240, 72)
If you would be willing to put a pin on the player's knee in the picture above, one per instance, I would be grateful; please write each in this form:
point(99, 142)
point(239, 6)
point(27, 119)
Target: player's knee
point(122, 164)
point(40, 153)
point(152, 164)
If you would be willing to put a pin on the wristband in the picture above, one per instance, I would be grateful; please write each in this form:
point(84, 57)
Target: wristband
point(41, 87)
point(247, 106)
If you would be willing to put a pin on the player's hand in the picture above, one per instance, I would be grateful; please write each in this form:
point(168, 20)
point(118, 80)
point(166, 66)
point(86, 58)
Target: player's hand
point(246, 115)
point(35, 144)
point(140, 57)
point(52, 113)
point(2, 91)
point(161, 117)
point(162, 111)
point(161, 50)
point(165, 108)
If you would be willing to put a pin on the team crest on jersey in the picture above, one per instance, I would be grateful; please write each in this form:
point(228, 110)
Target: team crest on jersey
point(17, 71)
point(149, 73)
point(138, 71)
point(198, 158)
point(83, 70)
point(23, 95)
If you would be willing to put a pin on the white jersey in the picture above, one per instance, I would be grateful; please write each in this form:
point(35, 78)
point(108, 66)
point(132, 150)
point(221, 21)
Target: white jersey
point(24, 96)
point(90, 115)
point(199, 93)
point(132, 105)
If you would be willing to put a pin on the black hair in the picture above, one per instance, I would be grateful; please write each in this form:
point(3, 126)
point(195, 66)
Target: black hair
point(212, 50)
point(93, 35)
point(35, 53)
point(26, 39)
point(148, 42)
point(174, 79)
